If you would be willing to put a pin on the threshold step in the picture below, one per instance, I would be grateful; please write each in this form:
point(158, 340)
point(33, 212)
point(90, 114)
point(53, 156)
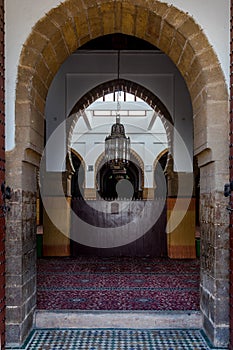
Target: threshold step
point(118, 319)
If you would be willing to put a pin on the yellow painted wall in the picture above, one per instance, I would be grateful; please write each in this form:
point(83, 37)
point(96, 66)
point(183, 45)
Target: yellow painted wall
point(181, 240)
point(55, 243)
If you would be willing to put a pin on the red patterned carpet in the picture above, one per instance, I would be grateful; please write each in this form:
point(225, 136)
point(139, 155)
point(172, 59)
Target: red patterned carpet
point(92, 283)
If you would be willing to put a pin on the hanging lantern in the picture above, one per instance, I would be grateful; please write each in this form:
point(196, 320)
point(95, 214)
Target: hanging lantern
point(117, 147)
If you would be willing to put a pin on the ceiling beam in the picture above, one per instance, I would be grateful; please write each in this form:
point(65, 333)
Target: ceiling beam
point(152, 121)
point(86, 120)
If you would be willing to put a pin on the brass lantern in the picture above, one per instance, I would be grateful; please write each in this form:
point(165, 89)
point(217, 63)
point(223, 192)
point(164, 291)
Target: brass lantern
point(117, 148)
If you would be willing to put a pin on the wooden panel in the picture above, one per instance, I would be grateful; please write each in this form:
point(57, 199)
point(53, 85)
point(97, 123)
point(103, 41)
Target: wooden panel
point(55, 243)
point(153, 242)
point(181, 240)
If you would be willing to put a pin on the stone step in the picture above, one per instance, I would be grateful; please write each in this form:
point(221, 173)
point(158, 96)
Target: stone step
point(118, 319)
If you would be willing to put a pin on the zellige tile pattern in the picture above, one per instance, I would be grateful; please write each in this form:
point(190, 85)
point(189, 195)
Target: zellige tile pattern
point(116, 339)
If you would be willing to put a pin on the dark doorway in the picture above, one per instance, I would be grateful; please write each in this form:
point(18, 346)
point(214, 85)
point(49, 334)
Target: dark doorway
point(125, 185)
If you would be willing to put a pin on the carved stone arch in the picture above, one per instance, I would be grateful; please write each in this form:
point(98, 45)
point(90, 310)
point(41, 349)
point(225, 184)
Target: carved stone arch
point(130, 87)
point(137, 160)
point(78, 155)
point(77, 176)
point(127, 86)
point(53, 38)
point(156, 161)
point(159, 156)
point(71, 24)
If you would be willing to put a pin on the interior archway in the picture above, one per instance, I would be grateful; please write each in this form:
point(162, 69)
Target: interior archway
point(52, 40)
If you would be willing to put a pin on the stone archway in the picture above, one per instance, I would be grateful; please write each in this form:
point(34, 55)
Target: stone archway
point(51, 41)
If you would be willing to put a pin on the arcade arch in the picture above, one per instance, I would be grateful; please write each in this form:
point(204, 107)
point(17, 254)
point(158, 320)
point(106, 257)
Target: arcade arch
point(52, 40)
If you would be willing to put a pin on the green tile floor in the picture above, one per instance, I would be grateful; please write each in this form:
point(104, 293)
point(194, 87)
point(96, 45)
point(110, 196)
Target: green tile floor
point(116, 339)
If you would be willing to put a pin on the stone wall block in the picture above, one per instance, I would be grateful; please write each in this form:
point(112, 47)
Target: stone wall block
point(215, 92)
point(95, 22)
point(186, 59)
point(61, 50)
point(192, 73)
point(82, 26)
point(72, 7)
point(36, 41)
point(153, 28)
point(221, 336)
point(176, 49)
point(207, 257)
point(29, 58)
point(175, 17)
point(13, 333)
point(222, 262)
point(91, 3)
point(36, 141)
point(141, 22)
point(15, 212)
point(219, 310)
point(207, 58)
point(213, 111)
point(199, 42)
point(30, 303)
point(218, 336)
point(14, 296)
point(15, 314)
point(29, 237)
point(209, 328)
point(22, 93)
point(39, 104)
point(208, 283)
point(118, 17)
point(14, 265)
point(40, 86)
point(159, 8)
point(204, 301)
point(42, 69)
point(16, 194)
point(213, 74)
point(29, 288)
point(189, 28)
point(50, 57)
point(197, 103)
point(58, 16)
point(26, 325)
point(14, 246)
point(29, 261)
point(108, 16)
point(13, 230)
point(197, 86)
point(24, 108)
point(166, 35)
point(221, 238)
point(13, 280)
point(28, 274)
point(128, 18)
point(70, 36)
point(45, 27)
point(222, 287)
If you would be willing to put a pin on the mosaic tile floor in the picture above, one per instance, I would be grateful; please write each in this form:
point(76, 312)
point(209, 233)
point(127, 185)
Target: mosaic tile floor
point(116, 339)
